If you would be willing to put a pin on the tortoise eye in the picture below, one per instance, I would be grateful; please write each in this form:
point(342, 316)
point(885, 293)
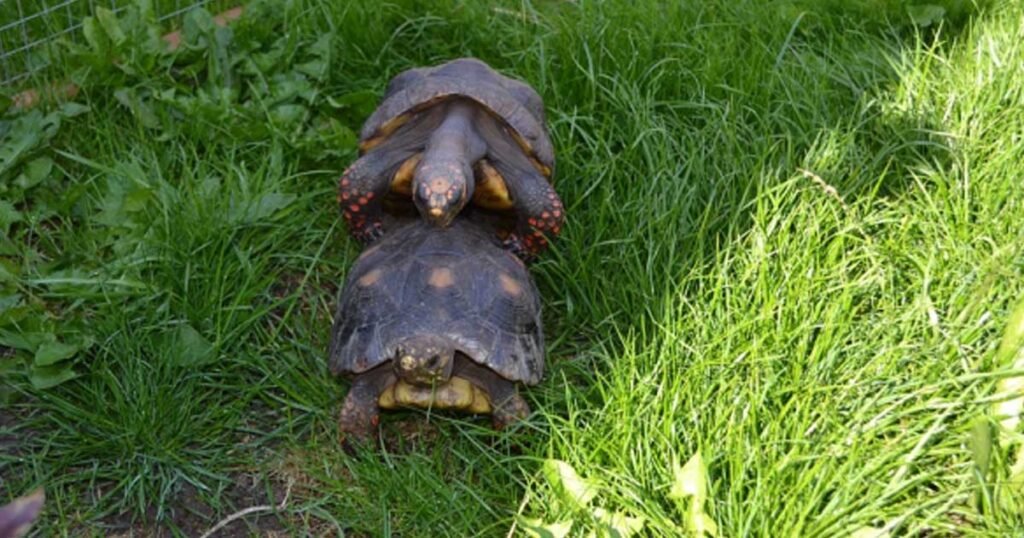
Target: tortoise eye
point(432, 362)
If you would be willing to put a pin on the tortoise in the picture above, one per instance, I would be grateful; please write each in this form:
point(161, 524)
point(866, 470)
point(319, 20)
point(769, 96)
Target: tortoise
point(441, 318)
point(451, 134)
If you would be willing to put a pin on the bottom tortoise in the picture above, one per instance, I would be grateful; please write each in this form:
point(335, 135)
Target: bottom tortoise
point(439, 318)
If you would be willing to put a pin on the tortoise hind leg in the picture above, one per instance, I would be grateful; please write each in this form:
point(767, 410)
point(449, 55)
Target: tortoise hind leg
point(538, 208)
point(510, 407)
point(507, 406)
point(539, 211)
point(360, 413)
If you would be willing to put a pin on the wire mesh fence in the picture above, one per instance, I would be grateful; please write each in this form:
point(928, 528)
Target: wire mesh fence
point(27, 26)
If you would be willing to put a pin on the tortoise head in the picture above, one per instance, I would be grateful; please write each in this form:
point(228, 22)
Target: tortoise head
point(444, 180)
point(424, 360)
point(440, 192)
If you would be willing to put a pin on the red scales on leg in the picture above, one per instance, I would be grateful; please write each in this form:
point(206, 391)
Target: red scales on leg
point(356, 199)
point(540, 220)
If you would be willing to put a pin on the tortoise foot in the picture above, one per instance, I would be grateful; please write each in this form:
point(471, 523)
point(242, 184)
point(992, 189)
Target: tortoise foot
point(358, 420)
point(515, 245)
point(369, 233)
point(512, 410)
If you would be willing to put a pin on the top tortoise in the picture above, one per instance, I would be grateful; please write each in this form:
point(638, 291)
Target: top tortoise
point(451, 134)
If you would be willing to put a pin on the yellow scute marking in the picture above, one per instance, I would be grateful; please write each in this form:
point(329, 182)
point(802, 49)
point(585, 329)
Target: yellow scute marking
point(509, 284)
point(370, 278)
point(442, 277)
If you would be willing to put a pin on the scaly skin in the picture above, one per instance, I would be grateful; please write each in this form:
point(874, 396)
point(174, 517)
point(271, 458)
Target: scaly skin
point(540, 214)
point(362, 187)
point(443, 181)
point(360, 413)
point(540, 219)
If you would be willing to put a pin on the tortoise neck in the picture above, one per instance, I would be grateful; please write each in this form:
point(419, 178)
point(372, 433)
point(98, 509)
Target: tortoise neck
point(456, 136)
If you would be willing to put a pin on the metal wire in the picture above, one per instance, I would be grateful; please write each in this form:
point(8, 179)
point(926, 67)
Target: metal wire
point(27, 26)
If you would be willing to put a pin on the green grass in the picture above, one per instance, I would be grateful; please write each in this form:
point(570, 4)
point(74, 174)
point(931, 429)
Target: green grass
point(794, 242)
point(27, 26)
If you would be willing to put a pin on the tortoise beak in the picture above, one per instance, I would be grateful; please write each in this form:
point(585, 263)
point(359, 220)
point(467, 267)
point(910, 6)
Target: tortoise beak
point(439, 217)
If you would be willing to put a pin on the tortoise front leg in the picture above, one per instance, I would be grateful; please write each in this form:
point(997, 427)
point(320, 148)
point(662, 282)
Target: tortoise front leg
point(539, 211)
point(360, 413)
point(361, 190)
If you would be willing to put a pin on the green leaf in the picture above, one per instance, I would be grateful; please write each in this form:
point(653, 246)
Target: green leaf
point(703, 524)
point(356, 99)
point(27, 133)
point(689, 480)
point(51, 353)
point(44, 377)
point(16, 313)
point(139, 108)
point(574, 488)
point(287, 115)
point(1010, 390)
point(25, 341)
point(95, 36)
point(321, 48)
point(111, 27)
point(1013, 335)
point(926, 14)
point(9, 272)
point(319, 67)
point(355, 106)
point(186, 347)
point(72, 109)
point(136, 199)
point(316, 69)
point(8, 216)
point(617, 524)
point(197, 25)
point(327, 138)
point(261, 208)
point(287, 86)
point(34, 173)
point(8, 302)
point(146, 11)
point(538, 529)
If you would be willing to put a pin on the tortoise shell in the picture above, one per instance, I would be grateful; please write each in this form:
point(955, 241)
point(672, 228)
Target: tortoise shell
point(455, 282)
point(514, 103)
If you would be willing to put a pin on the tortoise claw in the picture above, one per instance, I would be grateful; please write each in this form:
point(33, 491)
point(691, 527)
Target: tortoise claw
point(370, 233)
point(514, 245)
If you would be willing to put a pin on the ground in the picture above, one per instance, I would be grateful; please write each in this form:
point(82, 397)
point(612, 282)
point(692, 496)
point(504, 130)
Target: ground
point(793, 246)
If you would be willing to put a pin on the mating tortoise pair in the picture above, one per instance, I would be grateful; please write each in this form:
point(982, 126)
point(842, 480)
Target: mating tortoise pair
point(440, 311)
